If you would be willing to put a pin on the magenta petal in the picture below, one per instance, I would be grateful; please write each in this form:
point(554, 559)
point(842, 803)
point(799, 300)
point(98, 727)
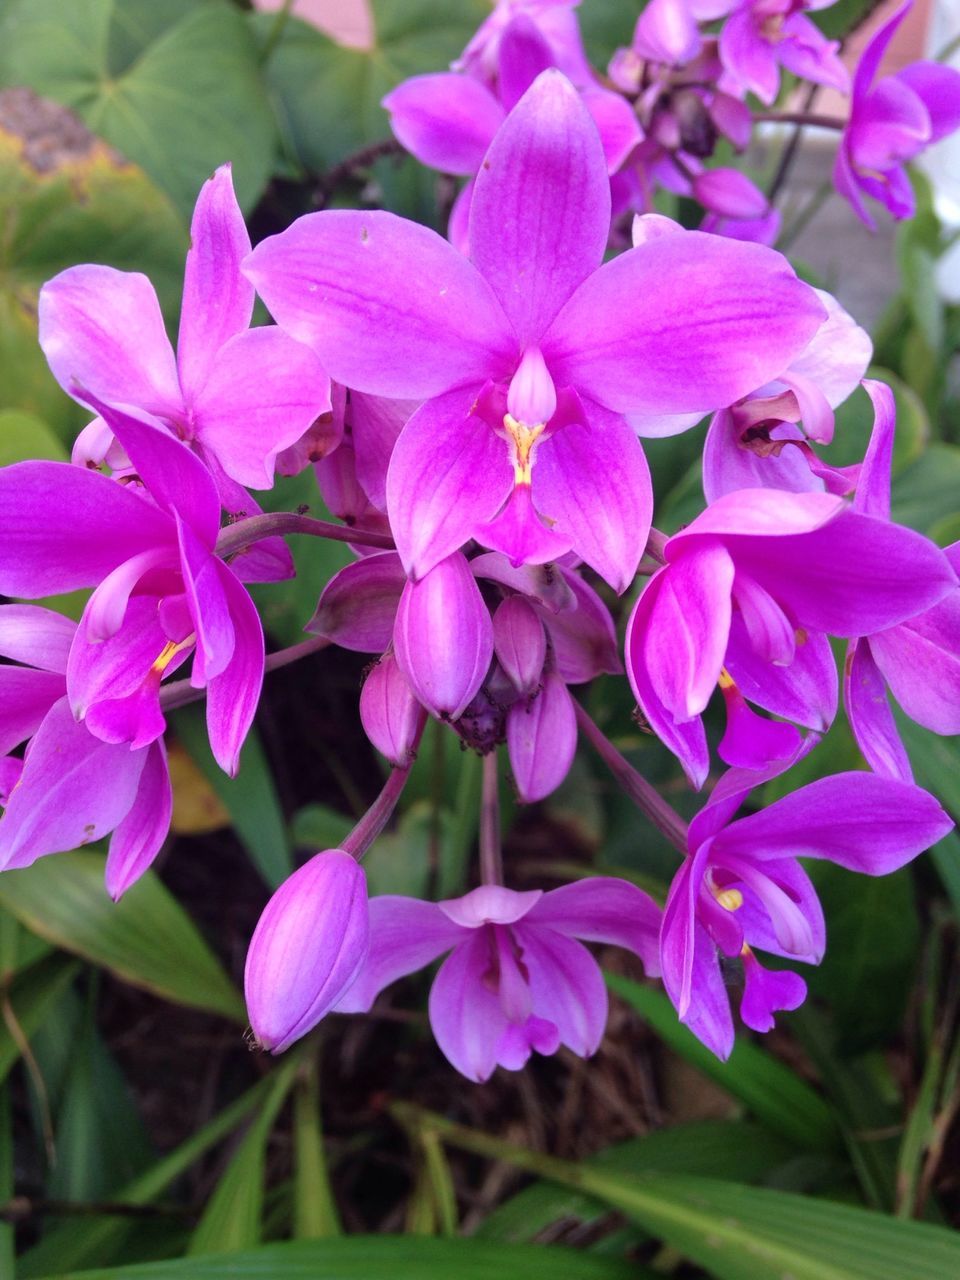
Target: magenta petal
point(377, 423)
point(307, 948)
point(730, 193)
point(766, 991)
point(873, 485)
point(604, 909)
point(707, 1009)
point(761, 513)
point(234, 692)
point(748, 57)
point(728, 466)
point(520, 533)
point(358, 605)
point(566, 986)
point(858, 820)
point(542, 739)
point(392, 717)
point(687, 637)
point(490, 904)
point(209, 607)
point(591, 480)
point(871, 720)
point(25, 698)
point(771, 632)
point(217, 299)
point(405, 935)
point(616, 123)
point(750, 741)
point(138, 838)
point(447, 121)
point(74, 789)
point(683, 322)
point(540, 214)
point(920, 661)
point(11, 770)
point(260, 397)
point(583, 637)
point(65, 528)
point(389, 307)
point(465, 1013)
point(449, 472)
point(444, 637)
point(36, 636)
point(805, 691)
point(938, 88)
point(522, 55)
point(103, 329)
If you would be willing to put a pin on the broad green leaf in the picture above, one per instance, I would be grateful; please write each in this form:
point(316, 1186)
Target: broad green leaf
point(178, 97)
point(100, 1139)
point(93, 1241)
point(7, 1254)
point(146, 938)
point(371, 1257)
point(317, 826)
point(232, 1218)
point(927, 491)
point(65, 198)
point(736, 1150)
point(767, 1088)
point(19, 948)
point(736, 1232)
point(311, 78)
point(314, 1208)
point(33, 995)
point(24, 436)
point(250, 798)
point(399, 861)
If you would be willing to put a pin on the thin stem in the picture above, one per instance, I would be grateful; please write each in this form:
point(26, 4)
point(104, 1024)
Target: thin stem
point(805, 216)
point(789, 153)
point(178, 693)
point(378, 815)
point(656, 542)
point(347, 168)
point(948, 50)
point(275, 32)
point(243, 533)
point(663, 816)
point(491, 855)
point(802, 118)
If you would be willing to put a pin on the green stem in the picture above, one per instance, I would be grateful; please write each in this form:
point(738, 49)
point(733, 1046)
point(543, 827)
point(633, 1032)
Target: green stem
point(491, 855)
point(276, 31)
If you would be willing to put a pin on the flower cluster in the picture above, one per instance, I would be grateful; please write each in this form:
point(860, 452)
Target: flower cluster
point(473, 412)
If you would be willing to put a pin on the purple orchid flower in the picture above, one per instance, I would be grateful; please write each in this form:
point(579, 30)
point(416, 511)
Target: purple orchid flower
point(742, 887)
point(748, 595)
point(918, 660)
point(555, 23)
point(71, 788)
point(763, 35)
point(236, 395)
point(160, 593)
point(530, 354)
point(517, 979)
point(891, 121)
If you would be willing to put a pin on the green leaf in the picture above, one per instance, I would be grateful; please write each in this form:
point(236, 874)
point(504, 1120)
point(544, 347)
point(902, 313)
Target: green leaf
point(24, 436)
point(232, 1218)
point(33, 995)
point(317, 826)
point(250, 798)
point(367, 1257)
point(737, 1232)
point(767, 1088)
point(737, 1150)
point(926, 492)
point(7, 1250)
point(86, 1243)
point(314, 1208)
point(178, 92)
point(311, 78)
point(146, 938)
point(65, 198)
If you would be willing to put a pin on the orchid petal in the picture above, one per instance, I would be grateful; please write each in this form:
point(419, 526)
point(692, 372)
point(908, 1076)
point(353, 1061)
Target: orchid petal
point(805, 691)
point(234, 692)
point(566, 986)
point(208, 605)
point(25, 698)
point(392, 717)
point(767, 990)
point(872, 497)
point(36, 636)
point(138, 838)
point(604, 909)
point(447, 121)
point(871, 720)
point(582, 637)
point(358, 605)
point(920, 661)
point(465, 1014)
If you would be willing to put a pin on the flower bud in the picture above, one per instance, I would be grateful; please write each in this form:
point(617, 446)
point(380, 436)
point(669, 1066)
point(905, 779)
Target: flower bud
point(358, 605)
point(306, 949)
point(542, 739)
point(391, 715)
point(520, 643)
point(729, 193)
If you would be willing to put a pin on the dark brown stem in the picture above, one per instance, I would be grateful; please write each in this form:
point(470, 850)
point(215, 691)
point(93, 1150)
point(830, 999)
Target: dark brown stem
point(243, 533)
point(178, 693)
point(328, 182)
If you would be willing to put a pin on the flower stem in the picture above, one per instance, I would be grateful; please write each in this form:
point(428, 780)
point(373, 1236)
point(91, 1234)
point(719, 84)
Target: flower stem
point(802, 118)
point(178, 693)
point(243, 533)
point(491, 855)
point(663, 816)
point(378, 815)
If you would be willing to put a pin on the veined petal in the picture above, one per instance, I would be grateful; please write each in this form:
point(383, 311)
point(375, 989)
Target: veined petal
point(540, 214)
point(138, 838)
point(858, 820)
point(26, 696)
point(217, 298)
point(804, 691)
point(74, 789)
point(771, 632)
point(377, 424)
point(64, 528)
point(358, 605)
point(871, 720)
point(449, 472)
point(234, 692)
point(523, 54)
point(542, 739)
point(519, 642)
point(591, 480)
point(209, 607)
point(446, 120)
point(389, 306)
point(520, 534)
point(682, 323)
point(604, 909)
point(405, 935)
point(838, 354)
point(102, 328)
point(872, 497)
point(392, 717)
point(36, 636)
point(566, 986)
point(260, 396)
point(920, 661)
point(465, 1013)
point(760, 513)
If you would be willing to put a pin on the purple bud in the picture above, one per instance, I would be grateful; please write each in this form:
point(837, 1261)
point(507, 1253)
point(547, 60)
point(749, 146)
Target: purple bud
point(520, 643)
point(358, 605)
point(729, 193)
point(542, 739)
point(443, 637)
point(391, 714)
point(532, 397)
point(306, 949)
